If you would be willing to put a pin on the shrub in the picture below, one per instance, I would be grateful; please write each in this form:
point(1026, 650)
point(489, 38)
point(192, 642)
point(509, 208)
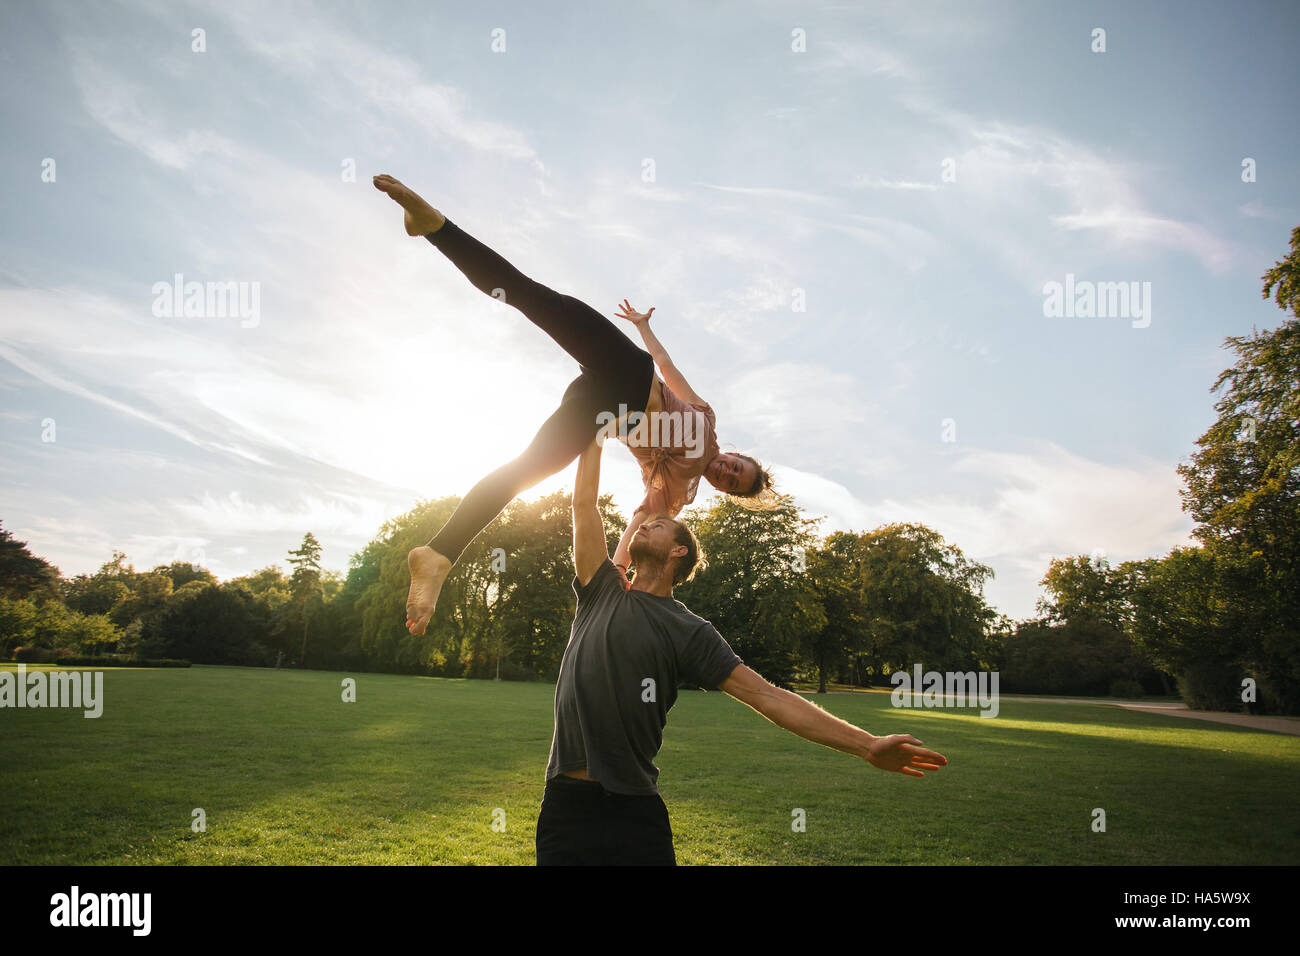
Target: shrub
point(1210, 687)
point(66, 657)
point(1124, 687)
point(49, 624)
point(1274, 696)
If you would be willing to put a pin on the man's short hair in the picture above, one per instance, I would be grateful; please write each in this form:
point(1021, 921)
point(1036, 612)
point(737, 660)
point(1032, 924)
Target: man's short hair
point(693, 560)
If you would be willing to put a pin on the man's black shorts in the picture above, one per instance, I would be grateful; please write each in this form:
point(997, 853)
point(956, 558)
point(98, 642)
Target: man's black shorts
point(583, 824)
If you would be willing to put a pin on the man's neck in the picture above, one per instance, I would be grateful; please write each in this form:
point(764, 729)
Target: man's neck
point(653, 580)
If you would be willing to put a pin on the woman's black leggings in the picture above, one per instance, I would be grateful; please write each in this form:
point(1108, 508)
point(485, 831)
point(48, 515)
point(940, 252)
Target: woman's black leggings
point(614, 371)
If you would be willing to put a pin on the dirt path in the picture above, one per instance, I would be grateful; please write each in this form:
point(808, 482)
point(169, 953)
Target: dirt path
point(1277, 725)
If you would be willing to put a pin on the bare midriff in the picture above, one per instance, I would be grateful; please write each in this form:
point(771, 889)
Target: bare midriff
point(580, 774)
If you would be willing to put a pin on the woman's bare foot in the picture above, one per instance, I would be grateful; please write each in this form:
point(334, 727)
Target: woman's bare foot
point(428, 570)
point(421, 218)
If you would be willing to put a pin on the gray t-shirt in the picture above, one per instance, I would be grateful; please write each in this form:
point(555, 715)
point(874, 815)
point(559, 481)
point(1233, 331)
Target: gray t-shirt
point(618, 679)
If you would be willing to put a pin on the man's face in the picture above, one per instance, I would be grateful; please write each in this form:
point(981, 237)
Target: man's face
point(654, 540)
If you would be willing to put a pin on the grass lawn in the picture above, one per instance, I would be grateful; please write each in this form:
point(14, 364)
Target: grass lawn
point(413, 771)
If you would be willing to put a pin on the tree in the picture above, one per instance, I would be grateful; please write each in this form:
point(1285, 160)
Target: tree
point(1285, 278)
point(211, 624)
point(343, 613)
point(101, 592)
point(835, 570)
point(1081, 587)
point(268, 585)
point(305, 585)
point(26, 622)
point(1243, 489)
point(922, 601)
point(1188, 621)
point(182, 573)
point(145, 599)
point(23, 574)
point(1090, 602)
point(1080, 655)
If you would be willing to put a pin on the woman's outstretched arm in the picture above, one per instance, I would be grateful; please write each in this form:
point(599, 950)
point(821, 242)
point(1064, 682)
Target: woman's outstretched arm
point(623, 553)
point(672, 377)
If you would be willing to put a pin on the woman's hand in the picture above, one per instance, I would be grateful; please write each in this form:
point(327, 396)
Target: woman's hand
point(632, 315)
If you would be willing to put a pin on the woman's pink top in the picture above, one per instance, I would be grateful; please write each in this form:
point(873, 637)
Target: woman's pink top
point(674, 446)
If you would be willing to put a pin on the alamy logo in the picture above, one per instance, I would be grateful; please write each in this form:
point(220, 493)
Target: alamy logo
point(179, 299)
point(949, 689)
point(83, 689)
point(1098, 300)
point(656, 429)
point(102, 909)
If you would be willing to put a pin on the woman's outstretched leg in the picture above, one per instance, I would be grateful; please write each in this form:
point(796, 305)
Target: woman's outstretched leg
point(559, 441)
point(598, 346)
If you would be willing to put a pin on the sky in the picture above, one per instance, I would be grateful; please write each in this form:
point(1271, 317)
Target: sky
point(846, 216)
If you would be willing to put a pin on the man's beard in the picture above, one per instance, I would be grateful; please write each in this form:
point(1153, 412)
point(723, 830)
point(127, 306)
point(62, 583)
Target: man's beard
point(643, 555)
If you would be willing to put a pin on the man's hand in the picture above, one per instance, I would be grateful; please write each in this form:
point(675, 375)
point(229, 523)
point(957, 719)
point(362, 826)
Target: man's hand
point(632, 315)
point(901, 753)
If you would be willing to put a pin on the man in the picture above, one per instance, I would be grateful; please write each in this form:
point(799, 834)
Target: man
point(618, 679)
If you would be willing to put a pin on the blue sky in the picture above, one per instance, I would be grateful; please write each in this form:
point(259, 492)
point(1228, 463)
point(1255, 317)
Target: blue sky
point(374, 374)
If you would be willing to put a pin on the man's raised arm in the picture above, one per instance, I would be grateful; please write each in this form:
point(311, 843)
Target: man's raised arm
point(589, 548)
point(897, 752)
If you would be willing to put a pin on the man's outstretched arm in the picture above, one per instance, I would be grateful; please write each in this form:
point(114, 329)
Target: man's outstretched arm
point(897, 752)
point(589, 548)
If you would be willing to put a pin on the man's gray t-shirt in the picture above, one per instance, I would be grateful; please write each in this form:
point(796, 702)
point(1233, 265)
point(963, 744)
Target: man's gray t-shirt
point(609, 716)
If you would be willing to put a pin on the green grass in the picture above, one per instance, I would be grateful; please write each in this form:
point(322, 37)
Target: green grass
point(412, 772)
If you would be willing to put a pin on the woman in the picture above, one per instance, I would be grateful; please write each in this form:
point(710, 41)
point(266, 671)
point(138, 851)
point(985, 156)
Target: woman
point(618, 380)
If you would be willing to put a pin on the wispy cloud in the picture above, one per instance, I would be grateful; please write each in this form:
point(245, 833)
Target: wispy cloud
point(1132, 228)
point(327, 58)
point(233, 514)
point(870, 182)
point(770, 192)
point(836, 54)
point(45, 375)
point(1018, 168)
